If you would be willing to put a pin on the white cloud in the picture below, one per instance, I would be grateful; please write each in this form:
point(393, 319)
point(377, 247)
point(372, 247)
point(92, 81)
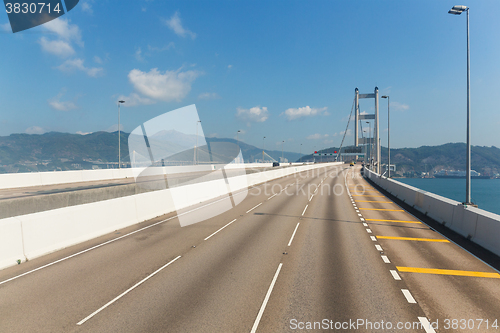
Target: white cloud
point(167, 86)
point(5, 27)
point(114, 128)
point(175, 24)
point(295, 113)
point(349, 132)
point(135, 99)
point(77, 64)
point(386, 91)
point(35, 130)
point(229, 66)
point(97, 60)
point(86, 7)
point(59, 105)
point(399, 106)
point(362, 112)
point(169, 46)
point(256, 114)
point(208, 96)
point(138, 55)
point(317, 136)
point(65, 30)
point(83, 133)
point(57, 47)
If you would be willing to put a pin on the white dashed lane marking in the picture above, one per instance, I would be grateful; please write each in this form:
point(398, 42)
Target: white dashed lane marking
point(408, 296)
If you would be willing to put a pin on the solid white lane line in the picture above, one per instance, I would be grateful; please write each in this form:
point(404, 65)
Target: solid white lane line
point(291, 238)
point(368, 231)
point(112, 240)
point(304, 210)
point(395, 275)
point(266, 299)
point(426, 325)
point(220, 229)
point(378, 247)
point(248, 211)
point(125, 292)
point(408, 296)
point(386, 260)
point(272, 196)
point(373, 238)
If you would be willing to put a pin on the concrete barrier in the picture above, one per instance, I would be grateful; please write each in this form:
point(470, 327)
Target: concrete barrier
point(56, 229)
point(478, 225)
point(17, 180)
point(11, 242)
point(29, 236)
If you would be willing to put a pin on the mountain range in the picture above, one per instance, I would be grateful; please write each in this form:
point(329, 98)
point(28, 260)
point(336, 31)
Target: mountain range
point(64, 151)
point(432, 159)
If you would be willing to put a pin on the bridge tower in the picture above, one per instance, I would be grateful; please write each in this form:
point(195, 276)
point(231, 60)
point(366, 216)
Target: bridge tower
point(376, 133)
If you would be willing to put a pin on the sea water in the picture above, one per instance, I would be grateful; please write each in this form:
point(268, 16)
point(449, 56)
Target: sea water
point(484, 192)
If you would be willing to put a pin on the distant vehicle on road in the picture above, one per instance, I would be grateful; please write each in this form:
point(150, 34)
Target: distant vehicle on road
point(352, 164)
point(275, 164)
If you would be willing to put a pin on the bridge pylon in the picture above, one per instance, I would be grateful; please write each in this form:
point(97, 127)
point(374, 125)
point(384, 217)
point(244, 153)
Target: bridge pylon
point(375, 139)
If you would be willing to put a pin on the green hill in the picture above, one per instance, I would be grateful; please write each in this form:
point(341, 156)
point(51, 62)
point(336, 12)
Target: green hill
point(64, 151)
point(450, 156)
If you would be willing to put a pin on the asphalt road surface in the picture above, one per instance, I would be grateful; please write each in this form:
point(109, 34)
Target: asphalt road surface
point(317, 251)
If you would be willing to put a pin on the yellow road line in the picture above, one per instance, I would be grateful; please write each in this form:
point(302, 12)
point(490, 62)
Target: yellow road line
point(388, 210)
point(399, 221)
point(415, 239)
point(374, 201)
point(368, 195)
point(448, 272)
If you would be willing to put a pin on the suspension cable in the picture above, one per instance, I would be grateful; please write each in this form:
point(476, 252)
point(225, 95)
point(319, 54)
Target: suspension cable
point(345, 132)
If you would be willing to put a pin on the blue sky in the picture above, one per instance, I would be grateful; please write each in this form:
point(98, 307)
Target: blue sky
point(286, 70)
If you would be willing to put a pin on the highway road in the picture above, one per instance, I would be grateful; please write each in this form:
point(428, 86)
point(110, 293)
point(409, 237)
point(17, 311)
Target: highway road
point(34, 199)
point(145, 183)
point(317, 251)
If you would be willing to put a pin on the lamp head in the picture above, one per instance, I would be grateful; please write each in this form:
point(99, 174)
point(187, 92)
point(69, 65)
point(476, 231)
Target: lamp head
point(457, 10)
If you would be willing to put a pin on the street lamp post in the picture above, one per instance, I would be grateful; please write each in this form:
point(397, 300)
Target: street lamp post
point(119, 136)
point(263, 149)
point(388, 137)
point(282, 159)
point(300, 151)
point(238, 138)
point(370, 137)
point(457, 10)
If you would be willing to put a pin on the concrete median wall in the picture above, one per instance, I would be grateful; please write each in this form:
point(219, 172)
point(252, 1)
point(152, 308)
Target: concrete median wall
point(17, 180)
point(478, 225)
point(29, 236)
